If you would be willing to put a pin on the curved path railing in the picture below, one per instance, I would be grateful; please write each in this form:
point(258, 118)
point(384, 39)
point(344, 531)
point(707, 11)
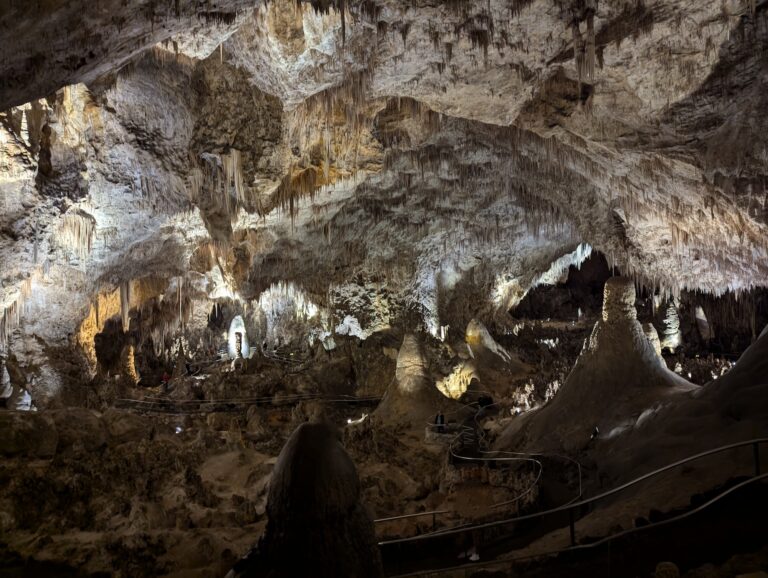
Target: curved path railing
point(573, 508)
point(468, 435)
point(166, 405)
point(506, 562)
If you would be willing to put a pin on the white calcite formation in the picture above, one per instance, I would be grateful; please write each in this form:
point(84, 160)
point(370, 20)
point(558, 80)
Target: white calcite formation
point(673, 337)
point(237, 339)
point(702, 324)
point(443, 156)
point(653, 337)
point(730, 409)
point(412, 398)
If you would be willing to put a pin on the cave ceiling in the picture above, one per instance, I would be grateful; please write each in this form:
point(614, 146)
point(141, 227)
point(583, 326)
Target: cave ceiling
point(412, 144)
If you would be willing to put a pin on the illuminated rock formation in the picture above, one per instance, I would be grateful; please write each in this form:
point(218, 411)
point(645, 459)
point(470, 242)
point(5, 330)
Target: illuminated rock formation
point(334, 173)
point(478, 338)
point(673, 337)
point(237, 339)
point(653, 337)
point(411, 399)
point(618, 376)
point(702, 325)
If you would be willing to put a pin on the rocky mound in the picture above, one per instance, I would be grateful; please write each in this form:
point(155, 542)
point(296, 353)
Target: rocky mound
point(317, 524)
point(618, 376)
point(412, 397)
point(495, 366)
point(481, 342)
point(751, 370)
point(730, 409)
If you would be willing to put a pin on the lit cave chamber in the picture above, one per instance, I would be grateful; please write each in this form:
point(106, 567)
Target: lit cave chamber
point(367, 288)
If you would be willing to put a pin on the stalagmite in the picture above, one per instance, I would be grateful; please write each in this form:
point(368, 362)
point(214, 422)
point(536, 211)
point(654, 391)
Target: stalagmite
point(673, 337)
point(653, 337)
point(617, 376)
point(702, 324)
point(411, 398)
point(6, 389)
point(317, 524)
point(237, 339)
point(128, 363)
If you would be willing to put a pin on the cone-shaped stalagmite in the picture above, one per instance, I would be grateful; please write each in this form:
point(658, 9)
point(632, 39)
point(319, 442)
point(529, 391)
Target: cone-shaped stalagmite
point(412, 398)
point(317, 524)
point(617, 376)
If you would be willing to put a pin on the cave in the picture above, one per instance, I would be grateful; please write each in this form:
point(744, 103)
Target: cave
point(368, 288)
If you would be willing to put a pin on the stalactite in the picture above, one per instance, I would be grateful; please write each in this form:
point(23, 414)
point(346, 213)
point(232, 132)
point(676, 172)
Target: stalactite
point(195, 183)
point(233, 175)
point(76, 232)
point(590, 48)
point(578, 50)
point(125, 305)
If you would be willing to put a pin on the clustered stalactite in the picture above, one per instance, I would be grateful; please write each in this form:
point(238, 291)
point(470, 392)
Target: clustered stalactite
point(342, 116)
point(11, 315)
point(219, 179)
point(584, 49)
point(738, 312)
point(233, 176)
point(77, 231)
point(164, 317)
point(351, 103)
point(548, 179)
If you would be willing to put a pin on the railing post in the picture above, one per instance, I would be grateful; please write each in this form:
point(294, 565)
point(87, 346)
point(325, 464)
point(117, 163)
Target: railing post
point(756, 455)
point(434, 521)
point(571, 515)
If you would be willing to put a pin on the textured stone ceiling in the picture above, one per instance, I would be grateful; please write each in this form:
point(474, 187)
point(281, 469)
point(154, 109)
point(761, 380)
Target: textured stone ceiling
point(440, 149)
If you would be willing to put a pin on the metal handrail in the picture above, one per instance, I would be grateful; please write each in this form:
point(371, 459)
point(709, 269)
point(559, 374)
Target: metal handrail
point(416, 515)
point(151, 404)
point(543, 455)
point(571, 508)
point(297, 397)
point(530, 458)
point(508, 561)
point(463, 431)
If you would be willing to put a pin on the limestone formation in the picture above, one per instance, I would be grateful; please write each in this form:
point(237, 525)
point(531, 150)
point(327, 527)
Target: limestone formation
point(222, 219)
point(617, 376)
point(653, 337)
point(477, 336)
point(412, 398)
point(702, 325)
point(748, 375)
point(672, 335)
point(317, 523)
